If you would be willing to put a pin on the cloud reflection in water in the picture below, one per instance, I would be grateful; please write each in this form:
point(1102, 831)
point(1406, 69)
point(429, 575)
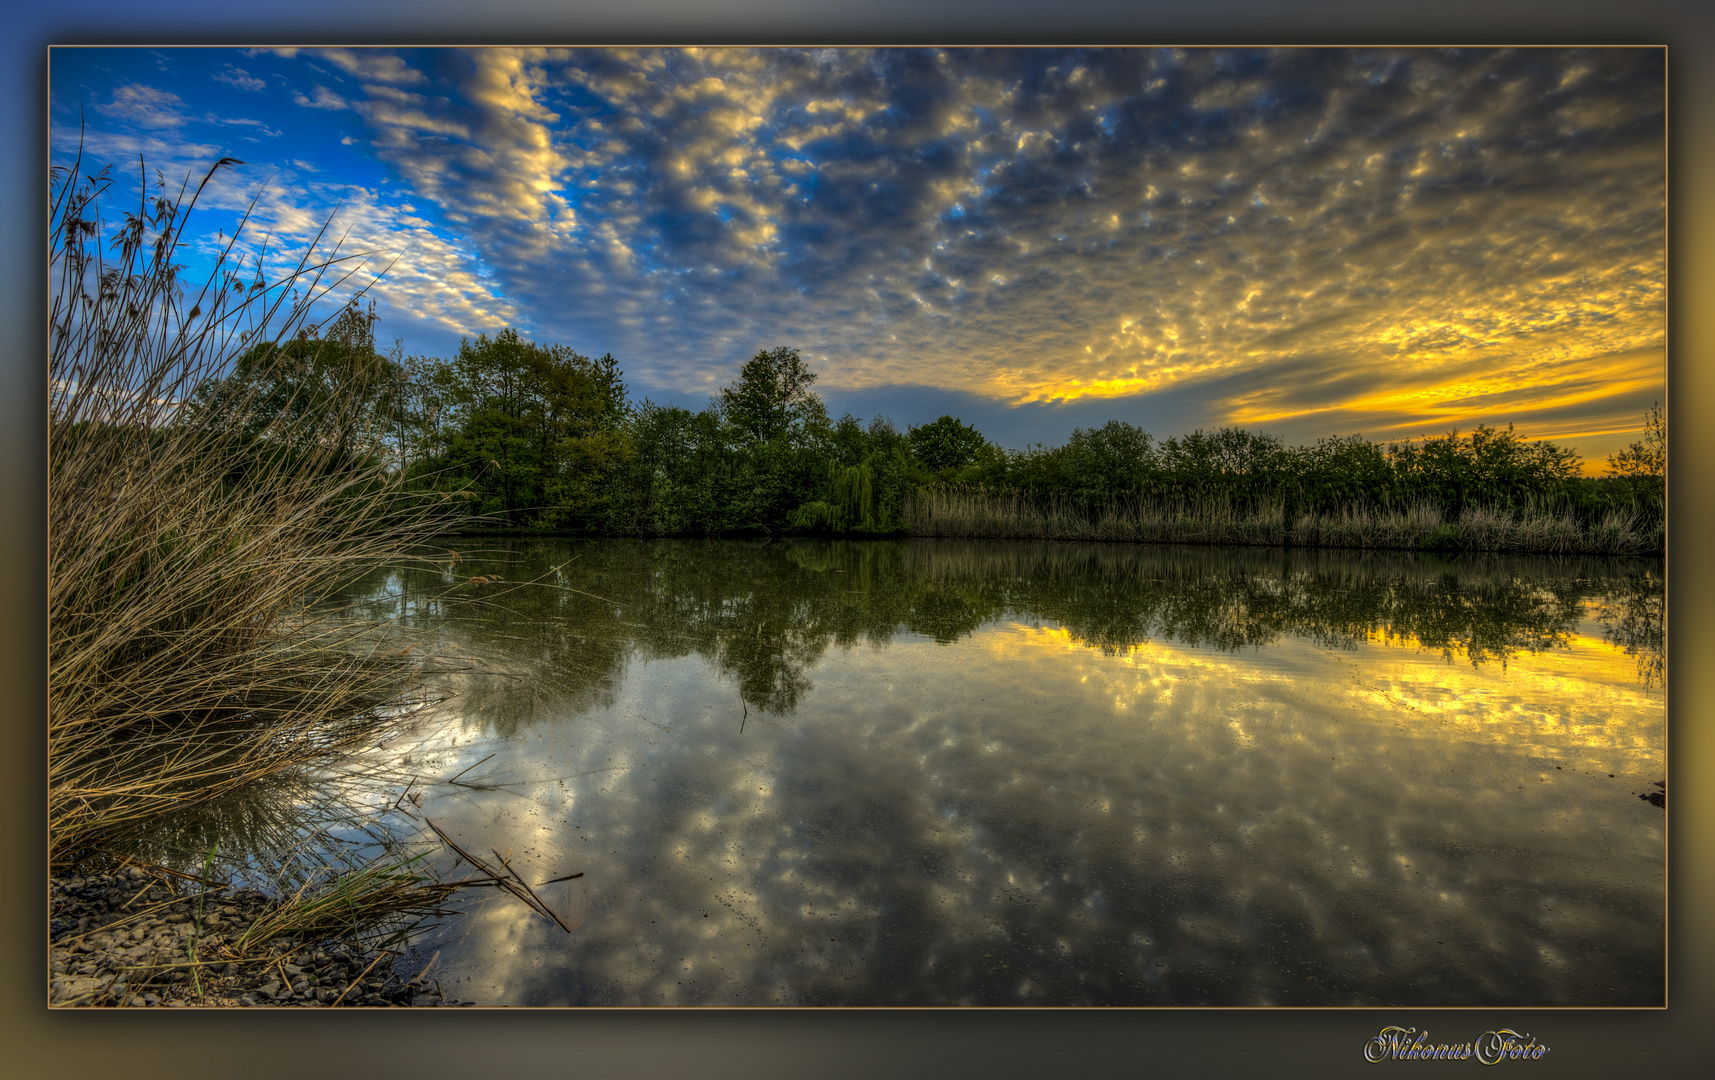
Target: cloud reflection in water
point(1015, 814)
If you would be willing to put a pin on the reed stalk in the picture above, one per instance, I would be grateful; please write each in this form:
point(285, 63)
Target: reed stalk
point(189, 562)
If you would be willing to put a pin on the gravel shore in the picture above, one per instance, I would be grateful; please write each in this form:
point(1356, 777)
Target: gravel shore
point(132, 939)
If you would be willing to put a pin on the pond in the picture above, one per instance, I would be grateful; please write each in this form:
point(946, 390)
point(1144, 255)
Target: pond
point(1010, 773)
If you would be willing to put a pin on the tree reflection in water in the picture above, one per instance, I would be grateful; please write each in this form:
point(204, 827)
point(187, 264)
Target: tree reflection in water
point(1632, 609)
point(572, 612)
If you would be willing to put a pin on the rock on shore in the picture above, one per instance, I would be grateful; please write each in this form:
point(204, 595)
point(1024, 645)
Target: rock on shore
point(128, 938)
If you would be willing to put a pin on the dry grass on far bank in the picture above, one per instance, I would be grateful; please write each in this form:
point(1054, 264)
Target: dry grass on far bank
point(984, 514)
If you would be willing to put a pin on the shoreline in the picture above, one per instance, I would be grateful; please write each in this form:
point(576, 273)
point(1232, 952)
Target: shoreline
point(133, 938)
point(1487, 537)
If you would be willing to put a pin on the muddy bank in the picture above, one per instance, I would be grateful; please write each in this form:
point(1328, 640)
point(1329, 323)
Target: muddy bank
point(136, 938)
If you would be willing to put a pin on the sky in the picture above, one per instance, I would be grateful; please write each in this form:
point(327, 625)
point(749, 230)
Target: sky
point(1308, 242)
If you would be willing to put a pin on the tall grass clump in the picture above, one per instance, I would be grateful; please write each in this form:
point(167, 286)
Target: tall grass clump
point(984, 513)
point(353, 904)
point(1365, 526)
point(189, 552)
point(1537, 526)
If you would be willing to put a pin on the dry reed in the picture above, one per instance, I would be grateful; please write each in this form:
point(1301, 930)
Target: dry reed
point(976, 513)
point(186, 654)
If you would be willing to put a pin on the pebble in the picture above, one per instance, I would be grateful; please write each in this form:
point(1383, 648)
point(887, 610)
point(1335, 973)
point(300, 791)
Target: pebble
point(90, 968)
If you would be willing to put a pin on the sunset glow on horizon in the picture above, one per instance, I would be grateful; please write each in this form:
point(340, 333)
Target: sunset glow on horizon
point(1302, 241)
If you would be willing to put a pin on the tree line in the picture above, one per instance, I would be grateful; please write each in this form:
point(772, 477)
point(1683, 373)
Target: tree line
point(520, 436)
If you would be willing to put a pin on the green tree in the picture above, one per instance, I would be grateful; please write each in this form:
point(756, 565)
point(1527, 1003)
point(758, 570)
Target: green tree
point(867, 473)
point(947, 444)
point(1647, 456)
point(1228, 463)
point(679, 473)
point(536, 430)
point(1337, 473)
point(1114, 461)
point(325, 390)
point(772, 398)
point(1487, 467)
point(781, 439)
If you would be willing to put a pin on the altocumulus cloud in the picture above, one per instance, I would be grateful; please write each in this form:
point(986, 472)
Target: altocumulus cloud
point(143, 106)
point(1299, 240)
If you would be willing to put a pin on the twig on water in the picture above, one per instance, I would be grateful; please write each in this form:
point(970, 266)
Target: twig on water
point(510, 881)
point(526, 887)
point(455, 777)
point(557, 880)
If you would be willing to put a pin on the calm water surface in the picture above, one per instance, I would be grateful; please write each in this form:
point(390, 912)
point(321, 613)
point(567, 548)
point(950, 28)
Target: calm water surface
point(938, 772)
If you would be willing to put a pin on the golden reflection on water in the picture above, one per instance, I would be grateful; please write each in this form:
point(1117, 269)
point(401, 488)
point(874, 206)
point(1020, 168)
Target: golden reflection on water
point(1584, 695)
